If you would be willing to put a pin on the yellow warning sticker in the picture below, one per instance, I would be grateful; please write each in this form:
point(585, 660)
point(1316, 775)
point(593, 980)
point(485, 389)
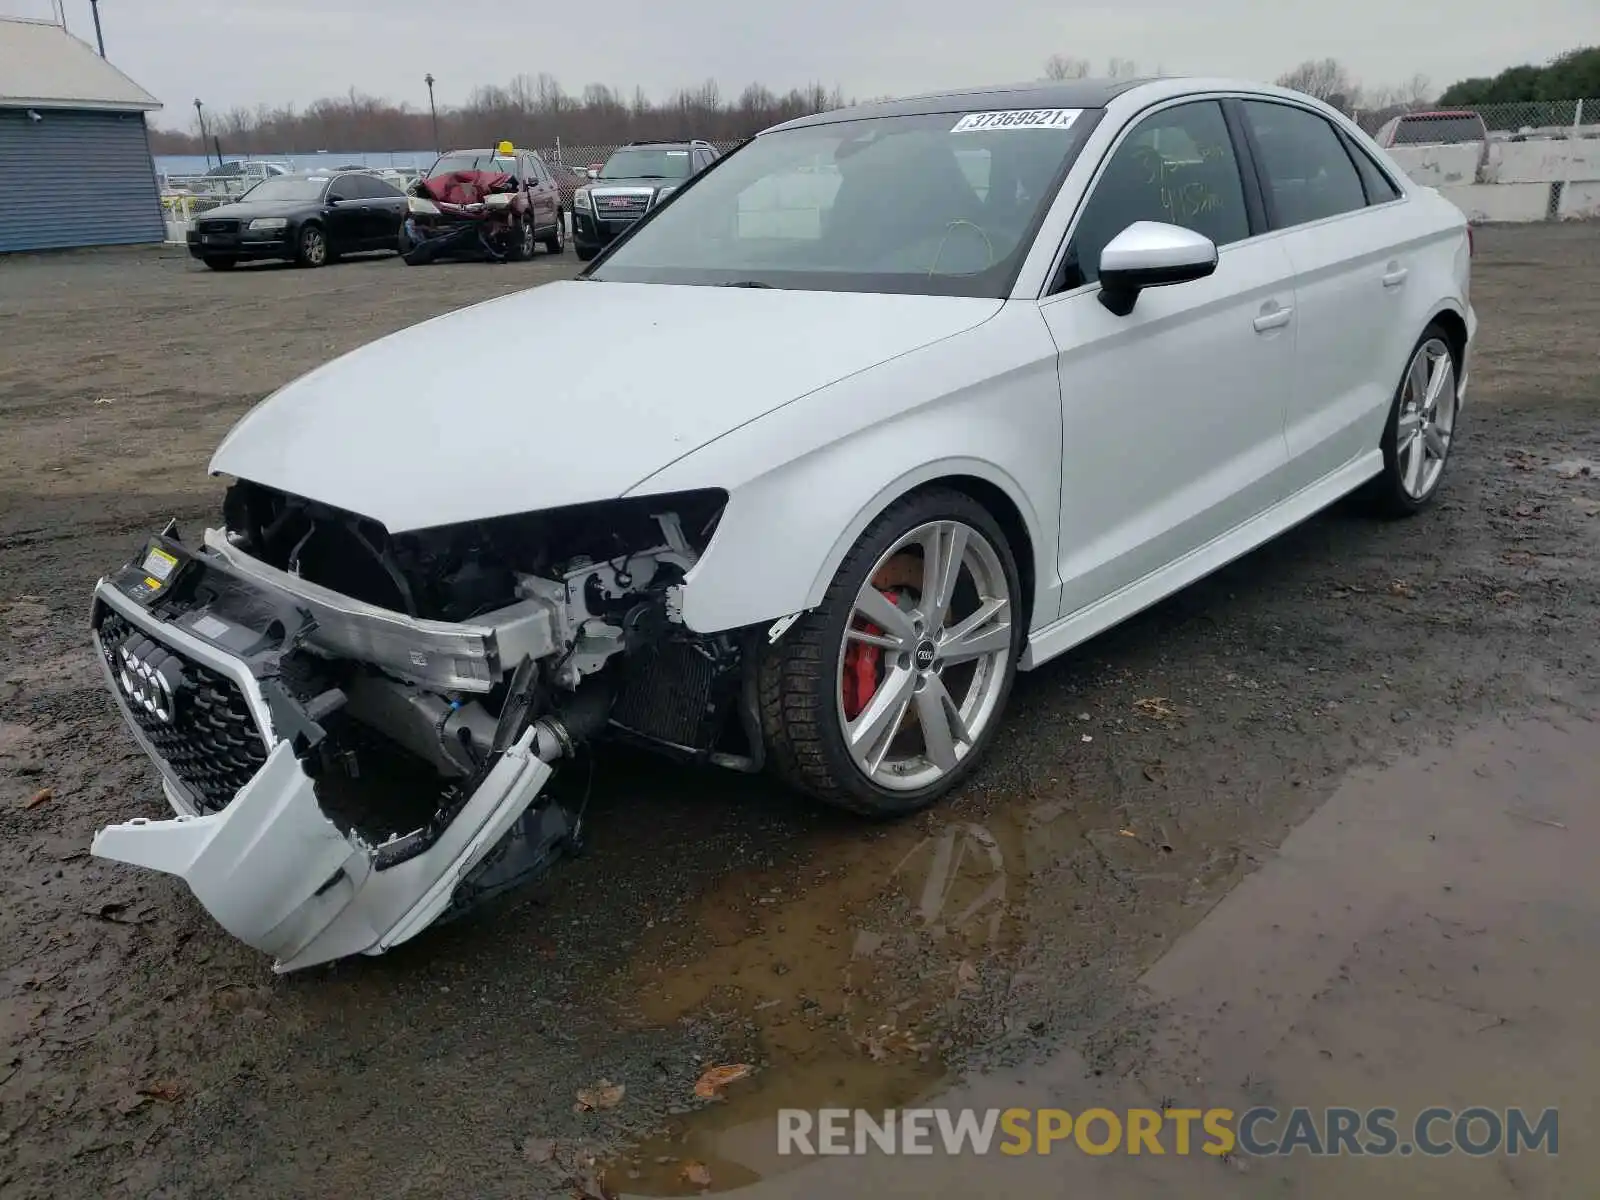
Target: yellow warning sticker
point(159, 563)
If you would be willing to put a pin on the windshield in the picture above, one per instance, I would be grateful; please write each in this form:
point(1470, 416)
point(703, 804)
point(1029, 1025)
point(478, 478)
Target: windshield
point(482, 160)
point(646, 162)
point(1447, 130)
point(943, 205)
point(284, 188)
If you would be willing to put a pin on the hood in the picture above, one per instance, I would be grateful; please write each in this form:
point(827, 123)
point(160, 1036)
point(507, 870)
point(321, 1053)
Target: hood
point(646, 183)
point(243, 209)
point(563, 394)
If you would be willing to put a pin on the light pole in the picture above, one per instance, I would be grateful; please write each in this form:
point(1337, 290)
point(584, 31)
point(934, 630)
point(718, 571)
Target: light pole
point(428, 79)
point(98, 36)
point(199, 112)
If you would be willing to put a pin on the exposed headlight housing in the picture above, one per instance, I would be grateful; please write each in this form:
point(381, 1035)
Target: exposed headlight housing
point(580, 199)
point(265, 223)
point(665, 192)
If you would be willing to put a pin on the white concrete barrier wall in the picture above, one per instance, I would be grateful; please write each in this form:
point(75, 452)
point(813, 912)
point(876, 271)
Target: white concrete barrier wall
point(1535, 180)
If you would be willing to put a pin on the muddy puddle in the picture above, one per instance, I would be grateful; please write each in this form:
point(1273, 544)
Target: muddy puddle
point(859, 983)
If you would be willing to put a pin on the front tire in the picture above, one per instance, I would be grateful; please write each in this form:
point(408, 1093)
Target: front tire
point(311, 250)
point(523, 239)
point(884, 697)
point(586, 253)
point(1421, 428)
point(556, 243)
point(218, 262)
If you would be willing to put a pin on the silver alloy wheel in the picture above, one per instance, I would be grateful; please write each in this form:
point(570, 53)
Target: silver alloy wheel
point(1426, 419)
point(944, 646)
point(529, 241)
point(316, 246)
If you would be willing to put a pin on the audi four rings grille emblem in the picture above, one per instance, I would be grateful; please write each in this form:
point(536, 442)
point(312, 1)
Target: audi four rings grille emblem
point(151, 678)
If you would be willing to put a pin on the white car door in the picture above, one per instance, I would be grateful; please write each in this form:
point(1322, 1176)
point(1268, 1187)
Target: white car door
point(1173, 414)
point(1347, 237)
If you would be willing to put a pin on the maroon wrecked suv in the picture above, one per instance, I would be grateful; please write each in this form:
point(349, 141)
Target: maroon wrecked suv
point(497, 204)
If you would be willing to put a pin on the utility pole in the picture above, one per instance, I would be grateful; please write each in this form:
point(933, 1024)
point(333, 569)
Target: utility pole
point(199, 112)
point(428, 79)
point(98, 36)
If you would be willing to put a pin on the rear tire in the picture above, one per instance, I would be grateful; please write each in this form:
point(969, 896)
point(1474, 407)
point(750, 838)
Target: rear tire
point(1420, 433)
point(846, 729)
point(218, 262)
point(556, 243)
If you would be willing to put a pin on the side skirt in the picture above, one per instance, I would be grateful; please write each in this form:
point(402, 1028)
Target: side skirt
point(1062, 635)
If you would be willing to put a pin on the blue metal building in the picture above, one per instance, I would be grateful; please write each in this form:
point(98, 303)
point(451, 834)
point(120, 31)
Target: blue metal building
point(75, 164)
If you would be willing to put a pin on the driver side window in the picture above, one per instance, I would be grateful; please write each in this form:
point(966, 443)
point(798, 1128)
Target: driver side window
point(1177, 166)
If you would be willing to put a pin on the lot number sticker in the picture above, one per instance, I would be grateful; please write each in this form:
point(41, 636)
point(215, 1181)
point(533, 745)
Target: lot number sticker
point(1025, 118)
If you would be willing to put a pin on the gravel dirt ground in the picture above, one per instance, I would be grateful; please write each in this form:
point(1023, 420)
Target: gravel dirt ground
point(714, 919)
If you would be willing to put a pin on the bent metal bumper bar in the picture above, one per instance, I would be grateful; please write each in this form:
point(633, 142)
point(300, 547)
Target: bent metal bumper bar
point(269, 866)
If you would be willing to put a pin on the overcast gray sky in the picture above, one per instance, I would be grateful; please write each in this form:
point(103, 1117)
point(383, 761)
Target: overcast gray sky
point(247, 52)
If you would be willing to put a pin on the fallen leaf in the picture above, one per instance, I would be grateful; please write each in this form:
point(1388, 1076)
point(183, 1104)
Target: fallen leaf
point(39, 797)
point(1400, 588)
point(592, 1186)
point(602, 1094)
point(967, 976)
point(1573, 467)
point(1154, 706)
point(713, 1079)
point(1155, 772)
point(169, 1092)
point(117, 913)
point(538, 1149)
point(696, 1174)
point(1127, 833)
point(1505, 597)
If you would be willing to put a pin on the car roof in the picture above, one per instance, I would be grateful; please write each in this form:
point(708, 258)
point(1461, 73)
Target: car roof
point(1072, 93)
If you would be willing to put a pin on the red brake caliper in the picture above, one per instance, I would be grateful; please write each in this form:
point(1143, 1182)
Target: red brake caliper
point(862, 670)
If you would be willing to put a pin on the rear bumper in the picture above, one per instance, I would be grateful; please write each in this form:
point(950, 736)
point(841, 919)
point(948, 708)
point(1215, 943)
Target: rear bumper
point(266, 861)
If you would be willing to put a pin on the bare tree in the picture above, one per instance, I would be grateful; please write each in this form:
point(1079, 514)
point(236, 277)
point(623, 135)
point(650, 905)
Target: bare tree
point(1121, 68)
point(1325, 79)
point(1058, 66)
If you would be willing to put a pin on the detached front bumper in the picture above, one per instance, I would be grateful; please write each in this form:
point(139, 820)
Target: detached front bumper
point(251, 838)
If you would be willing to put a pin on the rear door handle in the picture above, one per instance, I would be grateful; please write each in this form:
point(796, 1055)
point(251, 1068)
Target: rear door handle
point(1394, 277)
point(1276, 319)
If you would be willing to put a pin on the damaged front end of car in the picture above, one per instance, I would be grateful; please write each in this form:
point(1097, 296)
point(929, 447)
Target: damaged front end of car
point(356, 730)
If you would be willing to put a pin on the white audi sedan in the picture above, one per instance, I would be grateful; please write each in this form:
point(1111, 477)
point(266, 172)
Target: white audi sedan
point(886, 405)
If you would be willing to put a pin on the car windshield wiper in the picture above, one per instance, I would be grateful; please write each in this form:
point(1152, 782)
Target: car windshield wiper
point(749, 283)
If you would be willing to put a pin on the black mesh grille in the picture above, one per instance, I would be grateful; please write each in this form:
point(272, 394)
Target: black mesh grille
point(212, 743)
point(668, 695)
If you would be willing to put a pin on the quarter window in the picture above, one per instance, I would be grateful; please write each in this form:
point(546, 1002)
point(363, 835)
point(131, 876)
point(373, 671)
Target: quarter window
point(1177, 166)
point(1305, 169)
point(1380, 188)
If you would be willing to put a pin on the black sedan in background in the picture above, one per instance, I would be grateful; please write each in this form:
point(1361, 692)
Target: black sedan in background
point(309, 218)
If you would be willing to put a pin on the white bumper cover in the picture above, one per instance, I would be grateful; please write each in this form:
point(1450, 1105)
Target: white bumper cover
point(280, 876)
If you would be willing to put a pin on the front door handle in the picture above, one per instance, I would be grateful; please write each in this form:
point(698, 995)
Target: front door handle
point(1276, 319)
point(1394, 277)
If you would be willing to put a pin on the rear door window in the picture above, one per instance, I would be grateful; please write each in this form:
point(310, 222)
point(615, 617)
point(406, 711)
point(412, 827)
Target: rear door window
point(1305, 169)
